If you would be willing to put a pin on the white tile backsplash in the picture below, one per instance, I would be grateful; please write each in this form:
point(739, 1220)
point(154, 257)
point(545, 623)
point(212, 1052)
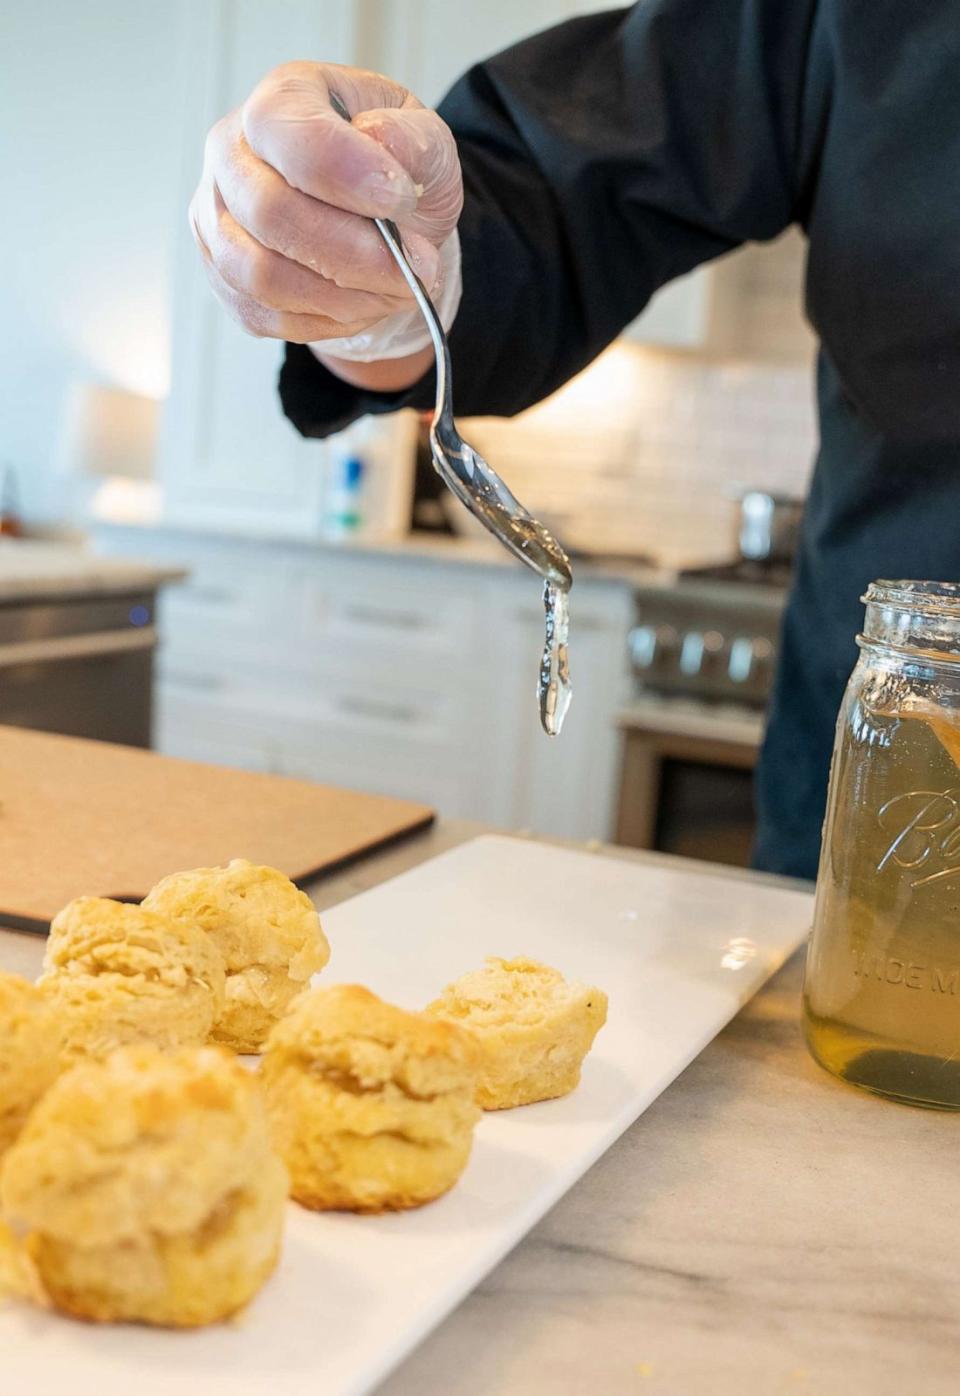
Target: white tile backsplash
point(652, 462)
point(643, 451)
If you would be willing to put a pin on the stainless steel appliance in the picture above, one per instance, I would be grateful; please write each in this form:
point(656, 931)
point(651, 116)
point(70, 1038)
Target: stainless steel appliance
point(79, 664)
point(702, 653)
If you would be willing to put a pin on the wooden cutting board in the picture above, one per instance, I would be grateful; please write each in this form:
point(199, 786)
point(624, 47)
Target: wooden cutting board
point(89, 818)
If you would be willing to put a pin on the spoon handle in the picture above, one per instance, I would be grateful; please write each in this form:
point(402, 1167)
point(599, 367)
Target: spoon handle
point(390, 233)
point(443, 405)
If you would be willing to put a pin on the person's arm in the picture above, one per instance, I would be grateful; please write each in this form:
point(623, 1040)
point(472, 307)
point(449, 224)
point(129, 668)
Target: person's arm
point(600, 159)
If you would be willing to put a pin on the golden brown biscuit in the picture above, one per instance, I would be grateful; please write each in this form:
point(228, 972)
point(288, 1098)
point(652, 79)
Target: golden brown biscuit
point(372, 1108)
point(29, 1052)
point(534, 1029)
point(148, 1188)
point(117, 974)
point(18, 1278)
point(268, 932)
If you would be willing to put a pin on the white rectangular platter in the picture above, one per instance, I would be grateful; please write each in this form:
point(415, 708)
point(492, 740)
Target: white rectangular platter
point(679, 952)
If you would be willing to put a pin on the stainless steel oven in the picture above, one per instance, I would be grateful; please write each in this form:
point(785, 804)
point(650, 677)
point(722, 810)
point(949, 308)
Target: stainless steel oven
point(702, 653)
point(82, 665)
point(687, 779)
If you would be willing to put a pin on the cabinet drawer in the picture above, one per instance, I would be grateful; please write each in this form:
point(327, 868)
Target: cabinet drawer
point(350, 758)
point(411, 706)
point(232, 610)
point(407, 747)
point(381, 614)
point(199, 731)
point(432, 717)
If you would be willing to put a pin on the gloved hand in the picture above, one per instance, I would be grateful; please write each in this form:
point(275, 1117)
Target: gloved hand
point(282, 211)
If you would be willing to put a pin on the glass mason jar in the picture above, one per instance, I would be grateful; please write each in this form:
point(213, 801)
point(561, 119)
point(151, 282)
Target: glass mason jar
point(882, 988)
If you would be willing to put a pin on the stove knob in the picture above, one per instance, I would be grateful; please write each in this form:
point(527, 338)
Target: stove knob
point(741, 659)
point(643, 646)
point(691, 653)
point(747, 656)
point(649, 644)
point(713, 647)
point(763, 654)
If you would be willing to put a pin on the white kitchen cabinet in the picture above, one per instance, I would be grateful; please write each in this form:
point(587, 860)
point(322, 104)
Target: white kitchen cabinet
point(228, 456)
point(389, 671)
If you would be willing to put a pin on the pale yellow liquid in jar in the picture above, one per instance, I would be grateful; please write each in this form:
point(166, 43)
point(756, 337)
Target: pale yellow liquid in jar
point(882, 996)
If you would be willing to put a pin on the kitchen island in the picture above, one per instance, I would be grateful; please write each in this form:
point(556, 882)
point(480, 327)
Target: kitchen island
point(760, 1229)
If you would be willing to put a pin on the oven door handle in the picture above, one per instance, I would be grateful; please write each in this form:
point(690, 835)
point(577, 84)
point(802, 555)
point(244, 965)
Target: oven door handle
point(65, 647)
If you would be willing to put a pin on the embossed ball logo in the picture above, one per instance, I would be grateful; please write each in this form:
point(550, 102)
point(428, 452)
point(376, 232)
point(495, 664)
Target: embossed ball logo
point(924, 831)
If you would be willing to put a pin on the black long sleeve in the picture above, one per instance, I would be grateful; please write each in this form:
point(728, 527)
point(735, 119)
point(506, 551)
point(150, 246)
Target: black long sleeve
point(601, 159)
point(609, 155)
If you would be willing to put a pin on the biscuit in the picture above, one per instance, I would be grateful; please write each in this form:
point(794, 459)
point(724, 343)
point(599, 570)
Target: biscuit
point(118, 974)
point(18, 1278)
point(29, 1052)
point(370, 1107)
point(268, 932)
point(148, 1188)
point(534, 1029)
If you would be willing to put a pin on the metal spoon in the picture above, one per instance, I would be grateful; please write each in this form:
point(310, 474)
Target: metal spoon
point(462, 469)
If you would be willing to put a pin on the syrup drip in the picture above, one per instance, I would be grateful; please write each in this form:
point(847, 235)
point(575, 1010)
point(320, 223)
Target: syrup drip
point(554, 689)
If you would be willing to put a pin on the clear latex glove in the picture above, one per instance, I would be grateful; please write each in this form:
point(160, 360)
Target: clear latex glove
point(282, 212)
point(404, 333)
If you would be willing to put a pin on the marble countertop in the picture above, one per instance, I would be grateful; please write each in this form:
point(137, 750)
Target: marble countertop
point(464, 551)
point(762, 1230)
point(33, 570)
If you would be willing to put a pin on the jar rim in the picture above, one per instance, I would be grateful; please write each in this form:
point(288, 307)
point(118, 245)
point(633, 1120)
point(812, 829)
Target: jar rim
point(928, 598)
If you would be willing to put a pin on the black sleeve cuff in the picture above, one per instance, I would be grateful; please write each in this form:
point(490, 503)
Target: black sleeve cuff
point(319, 403)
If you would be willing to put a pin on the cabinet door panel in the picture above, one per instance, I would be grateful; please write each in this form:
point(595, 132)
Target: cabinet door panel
point(228, 456)
point(193, 727)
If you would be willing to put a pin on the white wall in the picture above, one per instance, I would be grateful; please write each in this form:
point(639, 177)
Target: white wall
point(90, 151)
